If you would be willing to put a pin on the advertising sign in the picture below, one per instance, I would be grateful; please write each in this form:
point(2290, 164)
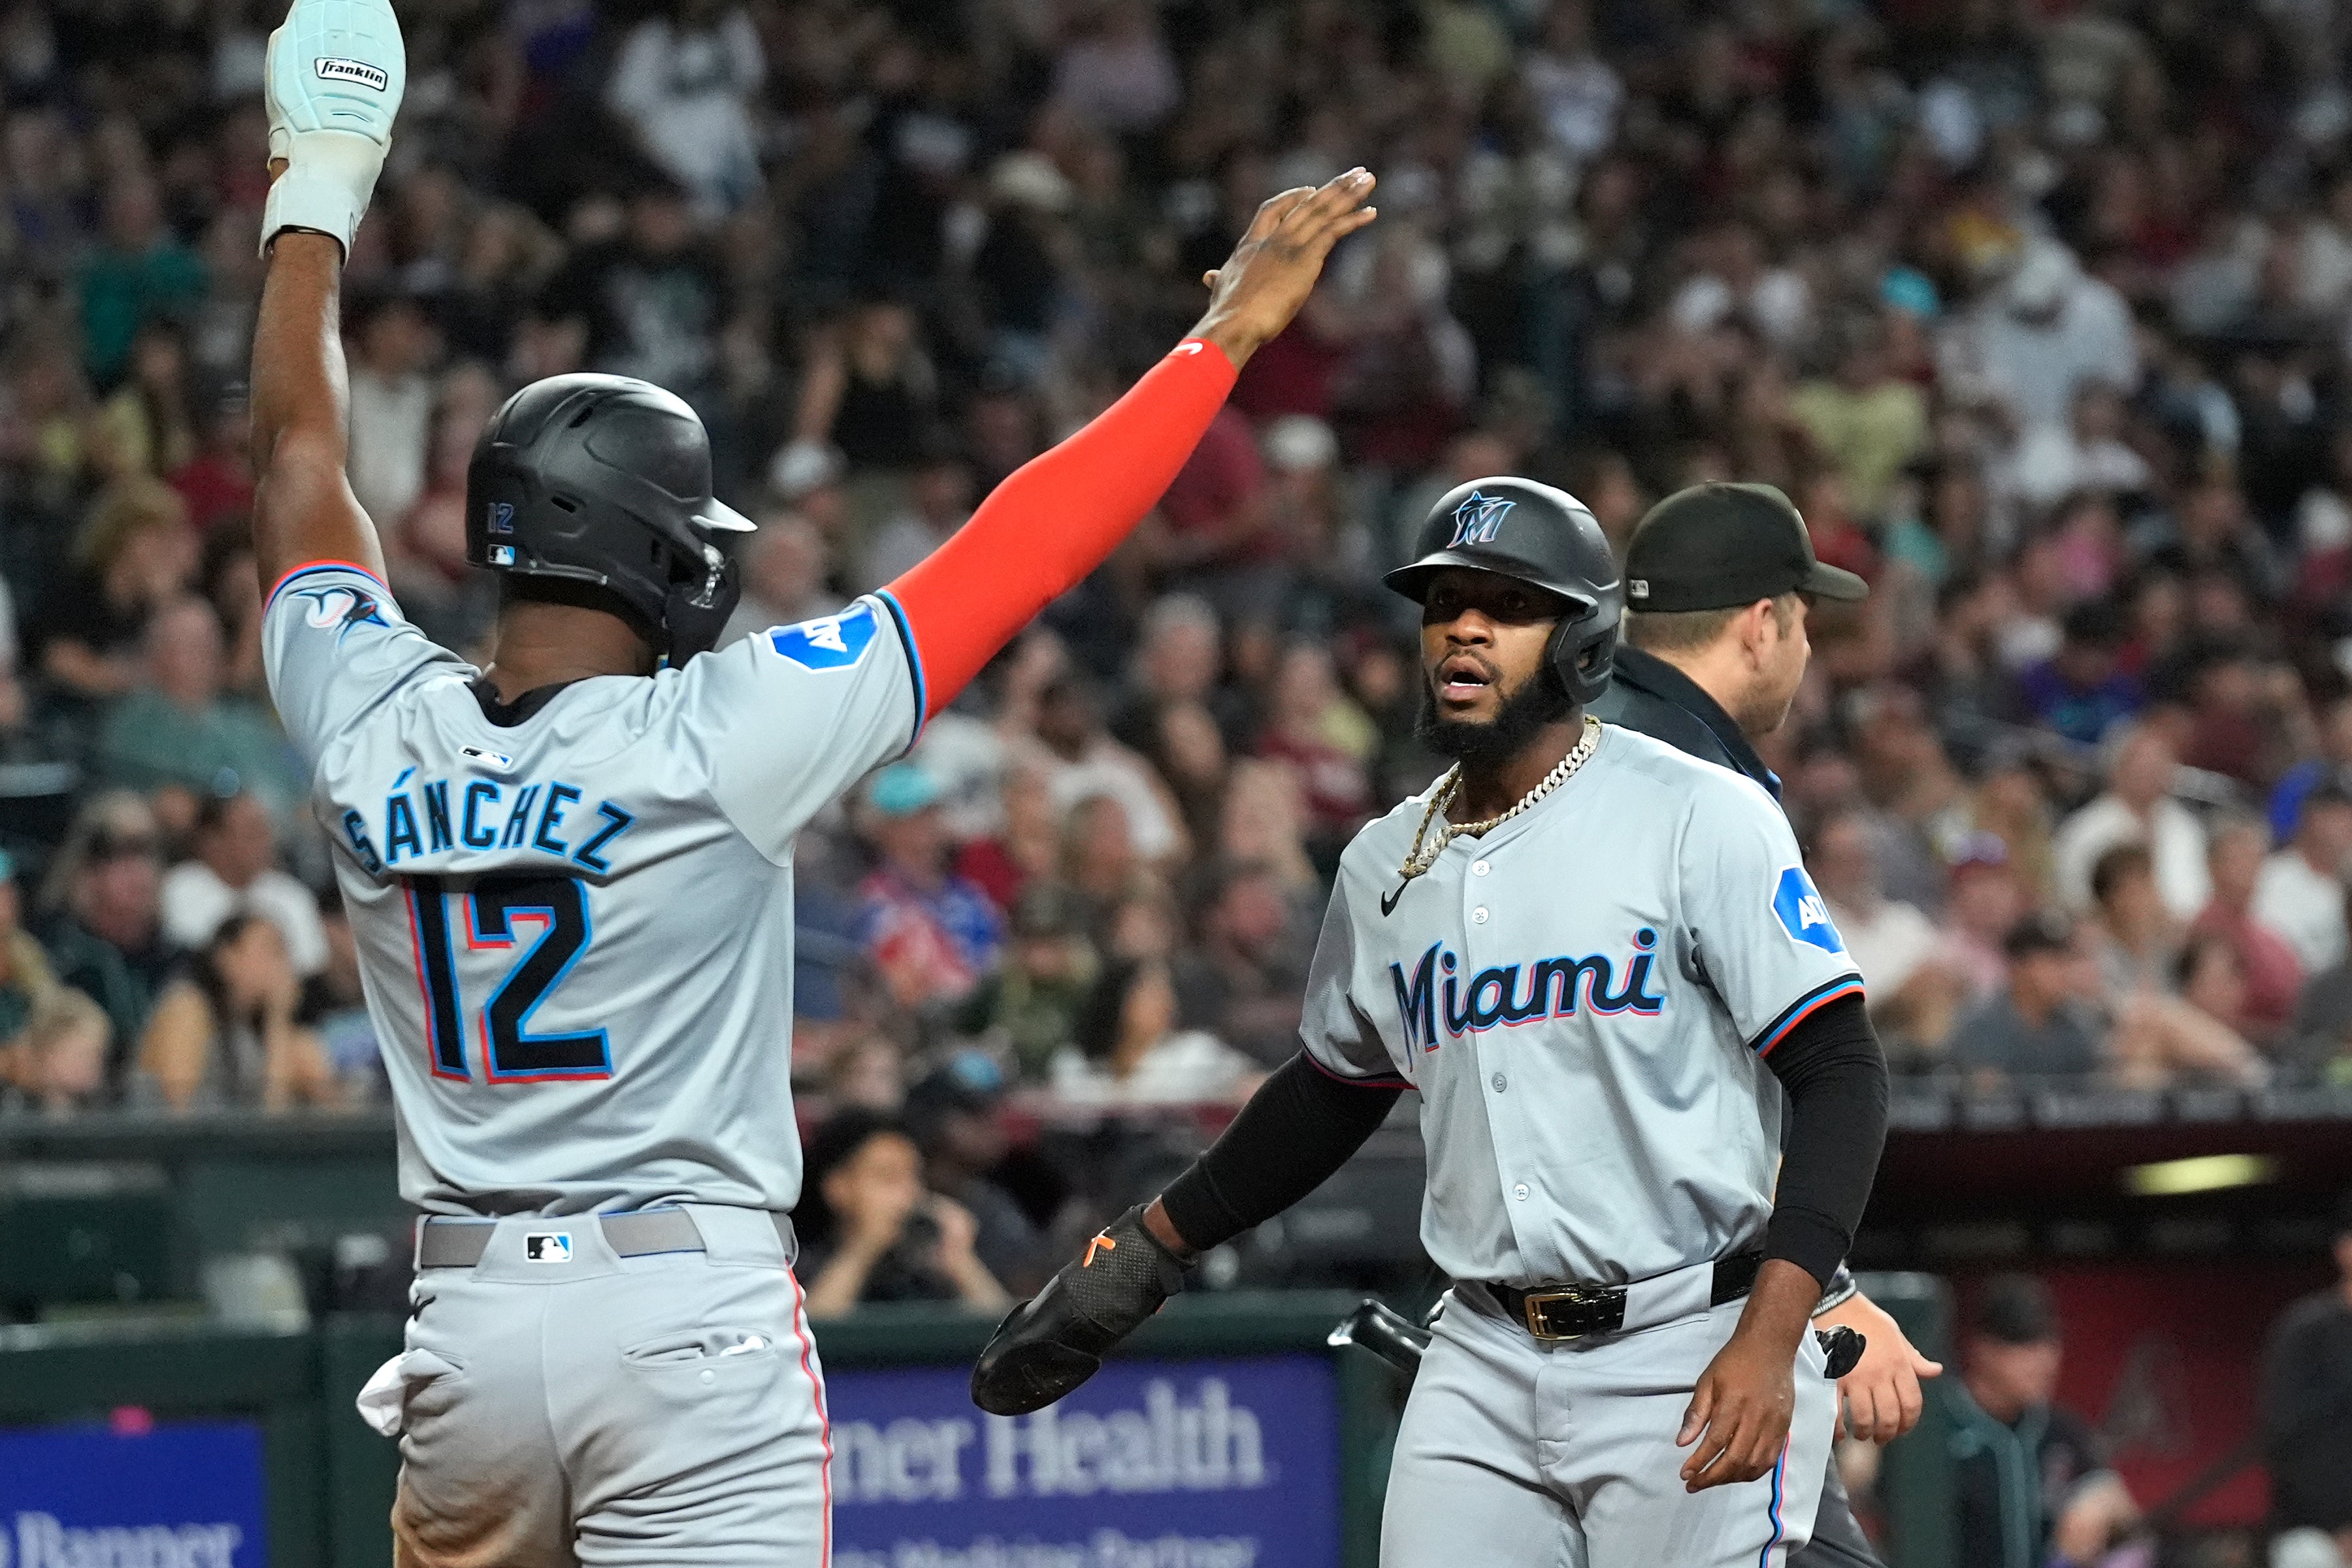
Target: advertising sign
point(180, 1494)
point(1212, 1463)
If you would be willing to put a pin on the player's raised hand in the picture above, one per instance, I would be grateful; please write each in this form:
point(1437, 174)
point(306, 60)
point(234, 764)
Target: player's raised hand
point(1270, 273)
point(332, 84)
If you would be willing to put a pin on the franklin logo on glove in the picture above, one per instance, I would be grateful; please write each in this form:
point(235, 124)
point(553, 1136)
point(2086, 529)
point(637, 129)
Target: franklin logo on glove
point(353, 70)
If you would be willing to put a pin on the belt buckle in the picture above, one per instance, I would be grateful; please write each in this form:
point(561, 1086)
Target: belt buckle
point(1537, 1301)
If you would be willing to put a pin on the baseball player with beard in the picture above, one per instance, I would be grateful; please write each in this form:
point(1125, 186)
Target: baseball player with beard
point(1601, 965)
point(569, 874)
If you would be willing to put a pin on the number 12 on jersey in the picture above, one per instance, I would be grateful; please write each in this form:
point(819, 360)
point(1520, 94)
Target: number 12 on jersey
point(487, 919)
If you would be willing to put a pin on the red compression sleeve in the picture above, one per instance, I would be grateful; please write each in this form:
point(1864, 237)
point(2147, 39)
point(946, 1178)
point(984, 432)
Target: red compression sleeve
point(1040, 532)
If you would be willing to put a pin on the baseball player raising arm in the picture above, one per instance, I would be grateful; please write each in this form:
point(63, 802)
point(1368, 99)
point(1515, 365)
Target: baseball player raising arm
point(569, 874)
point(1601, 965)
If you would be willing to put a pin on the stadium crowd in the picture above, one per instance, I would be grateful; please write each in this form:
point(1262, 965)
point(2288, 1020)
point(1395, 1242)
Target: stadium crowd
point(2039, 312)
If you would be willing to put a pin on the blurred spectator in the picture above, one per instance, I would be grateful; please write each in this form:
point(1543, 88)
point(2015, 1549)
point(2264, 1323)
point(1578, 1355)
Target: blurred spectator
point(938, 498)
point(226, 1034)
point(955, 1116)
point(2084, 691)
point(178, 729)
point(235, 871)
point(2035, 1481)
point(2267, 964)
point(102, 901)
point(2300, 892)
point(392, 347)
point(2135, 806)
point(1026, 846)
point(869, 396)
point(870, 1231)
point(1081, 760)
point(149, 428)
point(649, 301)
point(685, 83)
point(2040, 1025)
point(1865, 419)
point(1985, 904)
point(136, 554)
point(334, 1004)
point(2137, 939)
point(2306, 1402)
point(140, 273)
point(932, 934)
point(1029, 1002)
point(1243, 981)
point(1312, 726)
point(1913, 996)
point(784, 578)
point(2044, 333)
point(1178, 657)
point(1126, 1048)
point(2333, 764)
point(53, 1038)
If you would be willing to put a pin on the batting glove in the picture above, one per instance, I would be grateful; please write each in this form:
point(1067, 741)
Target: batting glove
point(1048, 1346)
point(335, 74)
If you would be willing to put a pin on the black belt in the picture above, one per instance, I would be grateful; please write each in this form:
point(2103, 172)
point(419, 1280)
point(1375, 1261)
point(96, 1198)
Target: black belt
point(1571, 1311)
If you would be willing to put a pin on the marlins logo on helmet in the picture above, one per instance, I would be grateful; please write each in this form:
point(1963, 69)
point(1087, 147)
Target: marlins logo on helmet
point(1478, 520)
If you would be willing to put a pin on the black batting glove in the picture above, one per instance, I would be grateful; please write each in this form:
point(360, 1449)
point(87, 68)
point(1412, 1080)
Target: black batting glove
point(1048, 1346)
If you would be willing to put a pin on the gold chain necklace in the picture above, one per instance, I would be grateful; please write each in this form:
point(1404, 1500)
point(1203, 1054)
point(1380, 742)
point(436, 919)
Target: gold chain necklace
point(1420, 859)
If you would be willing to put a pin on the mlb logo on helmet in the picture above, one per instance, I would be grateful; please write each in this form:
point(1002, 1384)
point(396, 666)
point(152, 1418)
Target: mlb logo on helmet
point(1478, 520)
point(1802, 913)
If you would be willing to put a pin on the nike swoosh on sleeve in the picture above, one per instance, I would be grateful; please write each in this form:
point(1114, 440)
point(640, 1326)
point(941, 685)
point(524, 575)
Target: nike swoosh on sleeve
point(1186, 349)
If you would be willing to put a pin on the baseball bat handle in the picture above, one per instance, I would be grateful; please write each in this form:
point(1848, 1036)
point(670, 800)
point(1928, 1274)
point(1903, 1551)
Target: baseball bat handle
point(1384, 1331)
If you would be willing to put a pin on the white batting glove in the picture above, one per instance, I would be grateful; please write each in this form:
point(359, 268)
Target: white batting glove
point(335, 73)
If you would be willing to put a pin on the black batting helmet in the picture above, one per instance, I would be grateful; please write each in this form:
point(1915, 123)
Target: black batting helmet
point(1520, 528)
point(604, 481)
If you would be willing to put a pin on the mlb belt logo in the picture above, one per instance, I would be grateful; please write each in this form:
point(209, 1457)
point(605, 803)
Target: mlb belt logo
point(1803, 914)
point(1478, 520)
point(547, 1247)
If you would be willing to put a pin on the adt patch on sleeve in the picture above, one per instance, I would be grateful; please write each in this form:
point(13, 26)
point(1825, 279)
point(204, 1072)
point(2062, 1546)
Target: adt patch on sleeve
point(1803, 914)
point(830, 642)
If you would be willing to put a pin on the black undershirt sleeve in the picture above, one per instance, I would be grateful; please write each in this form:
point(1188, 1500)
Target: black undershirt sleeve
point(1296, 1130)
point(1834, 1075)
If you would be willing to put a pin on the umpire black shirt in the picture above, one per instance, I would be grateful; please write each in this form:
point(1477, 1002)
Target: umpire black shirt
point(1648, 694)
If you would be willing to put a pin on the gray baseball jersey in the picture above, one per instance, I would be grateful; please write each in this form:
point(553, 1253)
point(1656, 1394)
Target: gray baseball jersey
point(1583, 999)
point(577, 930)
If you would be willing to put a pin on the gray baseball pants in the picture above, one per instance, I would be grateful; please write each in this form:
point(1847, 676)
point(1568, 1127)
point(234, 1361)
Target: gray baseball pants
point(610, 1412)
point(1522, 1453)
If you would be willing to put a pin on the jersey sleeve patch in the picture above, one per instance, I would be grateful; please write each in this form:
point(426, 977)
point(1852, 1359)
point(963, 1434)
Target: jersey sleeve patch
point(1802, 913)
point(828, 643)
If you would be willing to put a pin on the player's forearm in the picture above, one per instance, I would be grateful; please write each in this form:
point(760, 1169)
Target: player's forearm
point(1043, 529)
point(1299, 1129)
point(1780, 1306)
point(1835, 1077)
point(299, 388)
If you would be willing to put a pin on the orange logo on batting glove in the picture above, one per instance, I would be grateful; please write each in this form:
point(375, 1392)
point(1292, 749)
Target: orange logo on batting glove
point(1105, 1243)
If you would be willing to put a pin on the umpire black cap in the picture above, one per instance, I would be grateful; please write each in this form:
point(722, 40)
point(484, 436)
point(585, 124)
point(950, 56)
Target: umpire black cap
point(1517, 527)
point(1714, 546)
point(605, 481)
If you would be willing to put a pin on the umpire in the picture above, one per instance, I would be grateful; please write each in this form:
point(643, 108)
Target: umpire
point(1718, 581)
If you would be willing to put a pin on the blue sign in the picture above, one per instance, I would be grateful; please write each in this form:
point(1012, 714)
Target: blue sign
point(186, 1493)
point(1231, 1463)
